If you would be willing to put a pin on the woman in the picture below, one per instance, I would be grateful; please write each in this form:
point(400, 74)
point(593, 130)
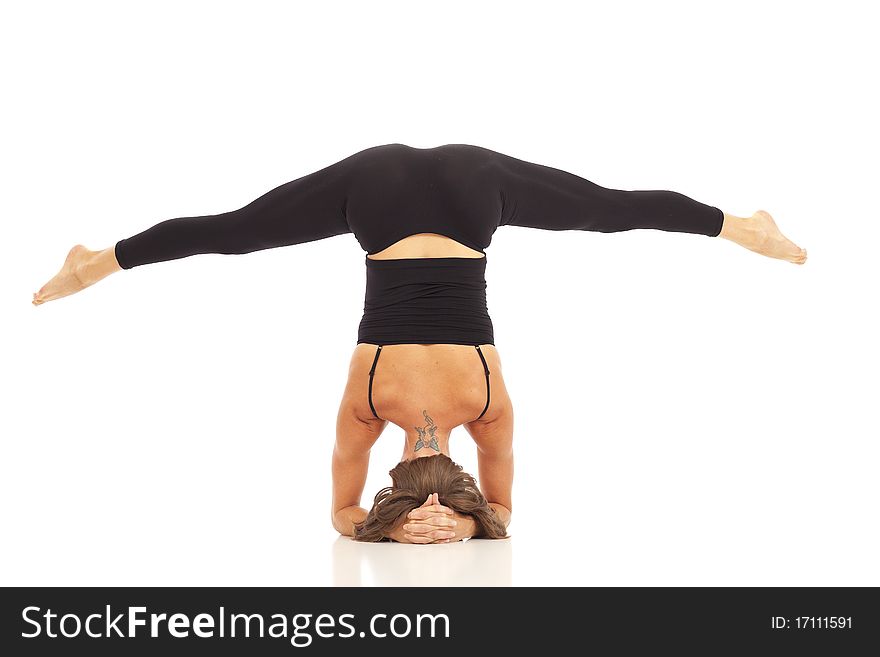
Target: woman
point(424, 218)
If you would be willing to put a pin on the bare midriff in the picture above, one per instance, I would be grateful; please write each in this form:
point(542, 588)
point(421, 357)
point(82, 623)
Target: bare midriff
point(426, 245)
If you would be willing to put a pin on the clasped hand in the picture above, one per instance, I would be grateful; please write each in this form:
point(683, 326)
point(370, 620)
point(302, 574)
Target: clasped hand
point(433, 523)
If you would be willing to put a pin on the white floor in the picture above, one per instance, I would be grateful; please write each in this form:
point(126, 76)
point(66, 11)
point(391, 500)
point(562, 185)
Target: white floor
point(471, 563)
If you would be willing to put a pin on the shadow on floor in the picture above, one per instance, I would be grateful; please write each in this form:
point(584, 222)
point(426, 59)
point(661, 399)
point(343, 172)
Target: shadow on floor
point(471, 563)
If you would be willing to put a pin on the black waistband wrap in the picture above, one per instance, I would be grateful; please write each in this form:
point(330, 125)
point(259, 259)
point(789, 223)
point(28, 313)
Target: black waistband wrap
point(426, 301)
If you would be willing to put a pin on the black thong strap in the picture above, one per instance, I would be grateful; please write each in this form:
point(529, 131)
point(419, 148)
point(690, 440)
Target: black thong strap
point(372, 371)
point(485, 367)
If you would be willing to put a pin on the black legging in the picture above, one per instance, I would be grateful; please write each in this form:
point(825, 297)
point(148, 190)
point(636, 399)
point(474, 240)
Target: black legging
point(385, 193)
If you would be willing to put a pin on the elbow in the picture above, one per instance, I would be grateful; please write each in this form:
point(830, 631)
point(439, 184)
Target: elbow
point(503, 512)
point(340, 528)
point(337, 522)
point(344, 522)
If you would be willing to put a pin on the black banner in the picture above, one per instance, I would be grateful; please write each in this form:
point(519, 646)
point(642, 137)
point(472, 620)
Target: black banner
point(428, 621)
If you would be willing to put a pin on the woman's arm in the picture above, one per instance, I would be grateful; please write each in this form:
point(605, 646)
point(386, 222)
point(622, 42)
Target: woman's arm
point(502, 512)
point(344, 519)
point(351, 460)
point(494, 440)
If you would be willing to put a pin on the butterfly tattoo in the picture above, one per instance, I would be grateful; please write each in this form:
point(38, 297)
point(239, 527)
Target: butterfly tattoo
point(427, 437)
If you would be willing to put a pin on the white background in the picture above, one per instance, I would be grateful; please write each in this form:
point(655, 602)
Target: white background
point(687, 412)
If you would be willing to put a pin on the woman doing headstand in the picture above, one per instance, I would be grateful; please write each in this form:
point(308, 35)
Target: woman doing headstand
point(424, 217)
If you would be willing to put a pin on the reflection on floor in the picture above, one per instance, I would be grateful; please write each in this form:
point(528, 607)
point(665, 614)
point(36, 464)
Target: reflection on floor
point(471, 563)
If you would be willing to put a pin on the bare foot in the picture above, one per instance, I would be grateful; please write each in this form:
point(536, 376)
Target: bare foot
point(81, 269)
point(759, 233)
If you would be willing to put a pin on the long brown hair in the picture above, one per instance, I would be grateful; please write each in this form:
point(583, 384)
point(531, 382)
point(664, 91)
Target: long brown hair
point(411, 483)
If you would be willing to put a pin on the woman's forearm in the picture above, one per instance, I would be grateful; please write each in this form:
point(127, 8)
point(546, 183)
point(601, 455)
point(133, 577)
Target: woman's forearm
point(344, 519)
point(469, 528)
